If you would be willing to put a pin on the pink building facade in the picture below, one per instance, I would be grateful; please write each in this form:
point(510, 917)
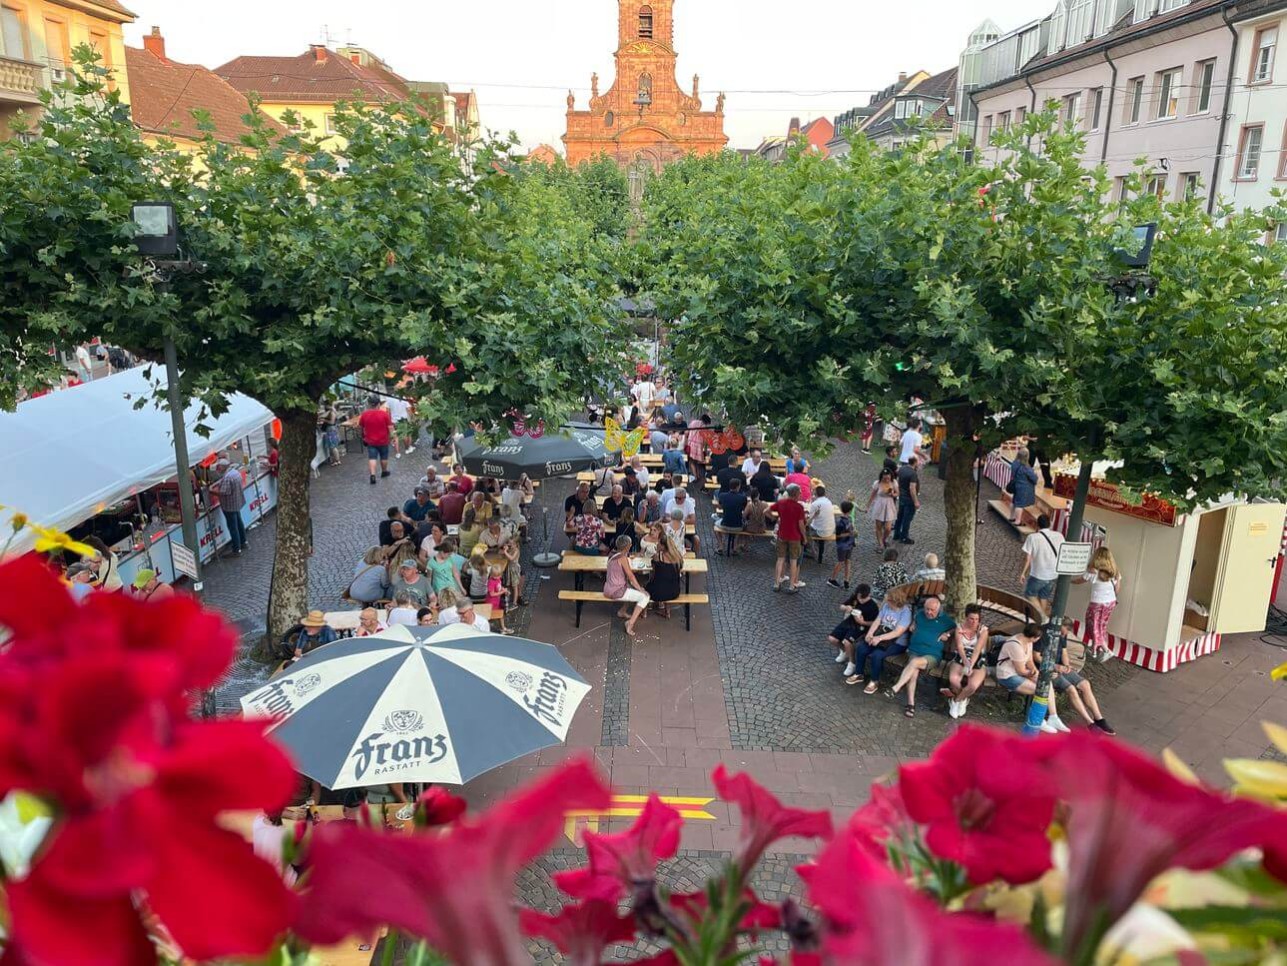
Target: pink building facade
point(1145, 80)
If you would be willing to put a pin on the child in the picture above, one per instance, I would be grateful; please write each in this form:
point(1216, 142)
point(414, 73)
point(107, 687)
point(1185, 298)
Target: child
point(1105, 583)
point(496, 597)
point(844, 544)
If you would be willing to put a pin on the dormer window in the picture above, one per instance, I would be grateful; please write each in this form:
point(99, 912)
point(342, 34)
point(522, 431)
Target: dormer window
point(645, 22)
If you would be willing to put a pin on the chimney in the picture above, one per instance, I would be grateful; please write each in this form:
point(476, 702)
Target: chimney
point(794, 127)
point(319, 52)
point(902, 77)
point(154, 43)
point(356, 58)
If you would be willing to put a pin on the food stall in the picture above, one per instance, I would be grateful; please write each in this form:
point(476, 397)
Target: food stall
point(1188, 578)
point(86, 461)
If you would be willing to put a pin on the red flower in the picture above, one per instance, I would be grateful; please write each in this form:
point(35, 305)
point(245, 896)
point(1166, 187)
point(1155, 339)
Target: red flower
point(872, 917)
point(436, 806)
point(759, 915)
point(451, 888)
point(581, 931)
point(92, 717)
point(451, 367)
point(986, 804)
point(620, 862)
point(1129, 821)
point(764, 818)
point(883, 823)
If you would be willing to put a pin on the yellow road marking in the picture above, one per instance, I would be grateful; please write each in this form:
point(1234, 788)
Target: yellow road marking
point(632, 806)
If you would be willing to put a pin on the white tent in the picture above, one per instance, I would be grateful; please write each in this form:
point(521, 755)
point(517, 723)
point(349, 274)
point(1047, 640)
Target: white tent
point(74, 452)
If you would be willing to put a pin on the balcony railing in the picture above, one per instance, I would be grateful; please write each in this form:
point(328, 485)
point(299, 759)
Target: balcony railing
point(20, 81)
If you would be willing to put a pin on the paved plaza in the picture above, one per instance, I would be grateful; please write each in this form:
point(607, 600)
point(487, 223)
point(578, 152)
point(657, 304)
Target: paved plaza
point(753, 685)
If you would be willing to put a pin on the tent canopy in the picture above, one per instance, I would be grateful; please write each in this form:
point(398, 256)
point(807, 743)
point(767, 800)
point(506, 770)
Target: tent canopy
point(74, 452)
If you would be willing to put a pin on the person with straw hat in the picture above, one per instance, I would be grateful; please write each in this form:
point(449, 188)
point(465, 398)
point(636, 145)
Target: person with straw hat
point(315, 633)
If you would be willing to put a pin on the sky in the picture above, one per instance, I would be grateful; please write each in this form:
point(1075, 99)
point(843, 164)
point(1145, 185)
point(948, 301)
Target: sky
point(775, 60)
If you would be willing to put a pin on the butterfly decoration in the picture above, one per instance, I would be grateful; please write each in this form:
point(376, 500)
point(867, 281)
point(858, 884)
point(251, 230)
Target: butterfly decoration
point(521, 427)
point(616, 439)
point(718, 443)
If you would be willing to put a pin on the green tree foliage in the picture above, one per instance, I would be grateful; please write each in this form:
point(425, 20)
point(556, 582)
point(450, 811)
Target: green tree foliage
point(807, 289)
point(316, 265)
point(597, 190)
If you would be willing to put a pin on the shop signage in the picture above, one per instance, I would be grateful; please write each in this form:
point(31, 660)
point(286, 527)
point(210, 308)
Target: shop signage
point(1074, 558)
point(1109, 496)
point(185, 562)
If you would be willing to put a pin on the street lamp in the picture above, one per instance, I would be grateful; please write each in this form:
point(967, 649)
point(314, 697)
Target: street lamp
point(1126, 287)
point(156, 236)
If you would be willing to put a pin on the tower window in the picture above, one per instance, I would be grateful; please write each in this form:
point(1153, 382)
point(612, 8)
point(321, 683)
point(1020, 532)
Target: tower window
point(645, 22)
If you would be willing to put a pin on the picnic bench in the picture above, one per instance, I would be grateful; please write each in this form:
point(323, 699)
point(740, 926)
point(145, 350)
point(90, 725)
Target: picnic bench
point(579, 565)
point(583, 597)
point(772, 534)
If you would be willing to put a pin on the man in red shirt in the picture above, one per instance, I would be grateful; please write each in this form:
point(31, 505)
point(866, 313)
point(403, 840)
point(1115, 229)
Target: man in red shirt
point(376, 425)
point(452, 505)
point(463, 481)
point(789, 513)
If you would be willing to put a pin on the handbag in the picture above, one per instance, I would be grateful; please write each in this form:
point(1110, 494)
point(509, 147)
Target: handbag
point(1009, 487)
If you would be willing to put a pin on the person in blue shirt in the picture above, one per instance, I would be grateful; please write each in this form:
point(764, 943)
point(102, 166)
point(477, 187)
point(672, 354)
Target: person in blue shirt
point(886, 637)
point(797, 463)
point(925, 651)
point(733, 507)
point(419, 506)
point(1023, 485)
point(672, 458)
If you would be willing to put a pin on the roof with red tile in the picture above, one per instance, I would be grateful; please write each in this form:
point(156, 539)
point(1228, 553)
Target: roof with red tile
point(305, 78)
point(164, 93)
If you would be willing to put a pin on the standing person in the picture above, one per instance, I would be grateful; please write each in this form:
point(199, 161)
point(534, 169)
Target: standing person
point(232, 497)
point(967, 670)
point(622, 584)
point(498, 597)
point(400, 413)
point(643, 393)
point(327, 420)
point(85, 364)
point(868, 427)
point(147, 586)
point(1105, 581)
point(1040, 570)
point(104, 564)
point(821, 514)
point(377, 426)
point(733, 509)
point(444, 571)
point(882, 506)
point(789, 515)
point(909, 500)
point(912, 441)
point(698, 437)
point(664, 584)
point(1022, 487)
point(925, 650)
point(1038, 460)
point(845, 540)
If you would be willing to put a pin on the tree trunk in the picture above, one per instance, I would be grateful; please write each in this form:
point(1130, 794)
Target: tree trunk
point(288, 598)
point(960, 508)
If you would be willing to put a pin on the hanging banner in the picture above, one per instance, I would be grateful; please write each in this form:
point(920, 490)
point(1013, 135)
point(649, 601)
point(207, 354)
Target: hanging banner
point(1108, 496)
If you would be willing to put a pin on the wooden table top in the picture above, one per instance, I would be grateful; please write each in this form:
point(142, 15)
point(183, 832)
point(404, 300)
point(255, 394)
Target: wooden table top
point(580, 563)
point(690, 530)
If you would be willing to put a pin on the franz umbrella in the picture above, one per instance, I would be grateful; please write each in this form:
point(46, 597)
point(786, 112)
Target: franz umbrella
point(419, 704)
point(571, 449)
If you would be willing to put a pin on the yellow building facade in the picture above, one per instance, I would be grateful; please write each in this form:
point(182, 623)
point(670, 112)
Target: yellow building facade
point(37, 38)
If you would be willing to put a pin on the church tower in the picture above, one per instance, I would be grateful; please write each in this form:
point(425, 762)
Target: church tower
point(644, 119)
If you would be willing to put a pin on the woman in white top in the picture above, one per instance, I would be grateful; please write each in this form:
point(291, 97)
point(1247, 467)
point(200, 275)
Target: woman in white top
point(967, 670)
point(106, 569)
point(403, 612)
point(1105, 583)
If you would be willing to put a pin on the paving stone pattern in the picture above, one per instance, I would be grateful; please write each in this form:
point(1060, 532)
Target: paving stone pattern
point(774, 880)
point(616, 688)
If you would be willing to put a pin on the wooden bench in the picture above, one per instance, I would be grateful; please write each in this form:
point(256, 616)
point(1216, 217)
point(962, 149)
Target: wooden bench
point(773, 534)
point(583, 597)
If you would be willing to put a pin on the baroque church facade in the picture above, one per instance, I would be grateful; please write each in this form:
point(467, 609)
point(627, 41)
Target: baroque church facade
point(644, 120)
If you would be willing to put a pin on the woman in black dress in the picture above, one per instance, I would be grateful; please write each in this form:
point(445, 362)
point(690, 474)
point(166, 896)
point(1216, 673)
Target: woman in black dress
point(664, 585)
point(765, 482)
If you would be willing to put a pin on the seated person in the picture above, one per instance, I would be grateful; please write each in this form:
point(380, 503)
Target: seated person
point(418, 506)
point(370, 580)
point(435, 486)
point(860, 610)
point(627, 527)
point(967, 669)
point(765, 483)
point(477, 512)
point(648, 509)
point(369, 623)
point(886, 637)
point(574, 504)
point(452, 504)
point(727, 475)
point(464, 613)
point(642, 473)
point(427, 616)
point(803, 481)
point(436, 535)
point(821, 516)
point(614, 504)
point(464, 482)
point(1076, 688)
point(404, 611)
point(411, 583)
point(512, 496)
point(393, 514)
point(732, 518)
point(751, 465)
point(81, 577)
point(930, 632)
point(589, 538)
point(1016, 672)
point(672, 458)
point(314, 633)
point(797, 463)
point(931, 570)
point(753, 517)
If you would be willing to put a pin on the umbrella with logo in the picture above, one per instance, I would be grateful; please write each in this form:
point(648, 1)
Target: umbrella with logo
point(569, 450)
point(419, 704)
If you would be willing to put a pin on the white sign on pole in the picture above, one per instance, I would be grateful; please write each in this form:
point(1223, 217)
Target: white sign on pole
point(184, 560)
point(1074, 558)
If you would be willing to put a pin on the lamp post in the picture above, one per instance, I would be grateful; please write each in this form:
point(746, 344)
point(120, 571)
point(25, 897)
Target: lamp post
point(157, 239)
point(1127, 287)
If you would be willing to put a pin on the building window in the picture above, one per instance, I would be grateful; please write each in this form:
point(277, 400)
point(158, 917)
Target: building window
point(1172, 5)
point(609, 119)
point(645, 23)
point(900, 110)
point(1262, 58)
point(1119, 188)
point(1157, 186)
point(1206, 80)
point(1189, 185)
point(1280, 233)
point(1096, 108)
point(1020, 114)
point(1168, 93)
point(1003, 121)
point(57, 47)
point(1249, 146)
point(13, 33)
point(1071, 113)
point(1144, 9)
point(1134, 99)
point(328, 121)
point(987, 129)
point(1079, 21)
